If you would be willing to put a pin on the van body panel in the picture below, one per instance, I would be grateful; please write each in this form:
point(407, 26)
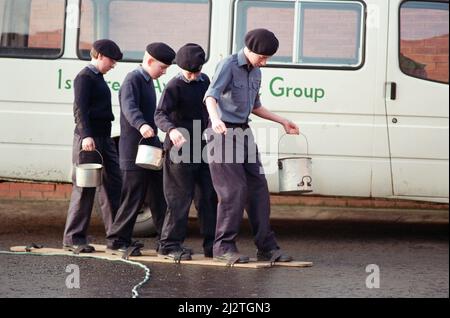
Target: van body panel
point(417, 119)
point(362, 141)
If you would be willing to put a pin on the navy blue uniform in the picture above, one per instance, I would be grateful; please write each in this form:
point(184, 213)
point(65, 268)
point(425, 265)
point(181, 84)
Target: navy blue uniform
point(137, 105)
point(240, 184)
point(93, 116)
point(181, 106)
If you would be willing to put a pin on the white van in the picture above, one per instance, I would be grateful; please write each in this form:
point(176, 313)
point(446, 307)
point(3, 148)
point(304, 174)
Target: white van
point(366, 81)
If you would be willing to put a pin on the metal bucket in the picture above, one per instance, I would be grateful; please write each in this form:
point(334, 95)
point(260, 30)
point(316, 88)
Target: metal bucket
point(89, 175)
point(295, 172)
point(149, 157)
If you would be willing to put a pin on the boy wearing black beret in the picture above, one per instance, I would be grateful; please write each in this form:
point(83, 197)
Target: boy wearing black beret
point(137, 108)
point(93, 116)
point(182, 115)
point(232, 96)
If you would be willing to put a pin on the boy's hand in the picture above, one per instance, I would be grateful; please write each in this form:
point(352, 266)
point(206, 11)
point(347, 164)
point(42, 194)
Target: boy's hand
point(219, 126)
point(146, 131)
point(88, 144)
point(291, 128)
point(177, 138)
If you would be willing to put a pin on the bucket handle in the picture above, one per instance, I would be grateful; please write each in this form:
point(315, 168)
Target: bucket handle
point(306, 139)
point(101, 157)
point(163, 151)
point(141, 140)
point(145, 145)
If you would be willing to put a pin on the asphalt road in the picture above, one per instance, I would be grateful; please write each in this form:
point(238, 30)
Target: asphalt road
point(412, 260)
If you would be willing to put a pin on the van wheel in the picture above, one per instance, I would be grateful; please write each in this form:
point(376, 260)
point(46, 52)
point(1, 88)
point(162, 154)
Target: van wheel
point(144, 226)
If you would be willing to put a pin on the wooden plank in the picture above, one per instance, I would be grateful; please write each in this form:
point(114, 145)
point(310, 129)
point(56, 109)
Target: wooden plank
point(151, 256)
point(58, 251)
point(288, 264)
point(199, 259)
point(100, 252)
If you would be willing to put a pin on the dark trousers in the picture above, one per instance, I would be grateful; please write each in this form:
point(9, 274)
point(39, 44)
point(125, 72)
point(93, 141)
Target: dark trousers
point(184, 182)
point(82, 200)
point(138, 186)
point(240, 185)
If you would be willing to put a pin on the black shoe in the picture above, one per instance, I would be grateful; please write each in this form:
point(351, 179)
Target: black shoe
point(232, 258)
point(176, 254)
point(166, 250)
point(273, 256)
point(137, 244)
point(124, 250)
point(208, 253)
point(77, 249)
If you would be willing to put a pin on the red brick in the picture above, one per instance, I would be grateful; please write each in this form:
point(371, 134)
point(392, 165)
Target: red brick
point(289, 200)
point(359, 203)
point(401, 204)
point(31, 195)
point(10, 194)
point(338, 202)
point(314, 201)
point(18, 186)
point(64, 188)
point(43, 187)
point(383, 204)
point(4, 186)
point(54, 195)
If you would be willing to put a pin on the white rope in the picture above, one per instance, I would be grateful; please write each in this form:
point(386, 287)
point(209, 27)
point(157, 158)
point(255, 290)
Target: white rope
point(134, 291)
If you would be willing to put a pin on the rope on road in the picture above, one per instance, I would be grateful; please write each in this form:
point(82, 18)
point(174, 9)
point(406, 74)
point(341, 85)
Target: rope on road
point(135, 289)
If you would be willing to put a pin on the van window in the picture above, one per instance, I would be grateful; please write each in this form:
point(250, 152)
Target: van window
point(311, 33)
point(278, 17)
point(424, 40)
point(33, 28)
point(136, 23)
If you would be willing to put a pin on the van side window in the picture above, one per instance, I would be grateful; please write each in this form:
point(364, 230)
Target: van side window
point(312, 33)
point(279, 17)
point(424, 40)
point(133, 24)
point(32, 29)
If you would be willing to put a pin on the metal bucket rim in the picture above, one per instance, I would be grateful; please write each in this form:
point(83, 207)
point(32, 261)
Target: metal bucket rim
point(156, 155)
point(89, 166)
point(151, 147)
point(149, 166)
point(296, 157)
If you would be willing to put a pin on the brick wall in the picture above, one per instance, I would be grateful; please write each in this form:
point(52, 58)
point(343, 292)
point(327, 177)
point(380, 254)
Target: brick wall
point(46, 24)
point(50, 191)
point(35, 191)
point(135, 24)
point(433, 52)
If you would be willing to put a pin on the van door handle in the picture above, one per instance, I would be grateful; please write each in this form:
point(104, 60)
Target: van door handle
point(393, 90)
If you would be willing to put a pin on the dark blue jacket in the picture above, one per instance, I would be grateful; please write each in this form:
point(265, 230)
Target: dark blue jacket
point(92, 106)
point(137, 99)
point(180, 105)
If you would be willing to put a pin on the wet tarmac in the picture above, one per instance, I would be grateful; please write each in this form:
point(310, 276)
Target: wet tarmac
point(413, 261)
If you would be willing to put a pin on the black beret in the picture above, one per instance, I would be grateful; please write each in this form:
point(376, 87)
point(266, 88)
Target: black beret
point(162, 52)
point(191, 57)
point(262, 41)
point(108, 48)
